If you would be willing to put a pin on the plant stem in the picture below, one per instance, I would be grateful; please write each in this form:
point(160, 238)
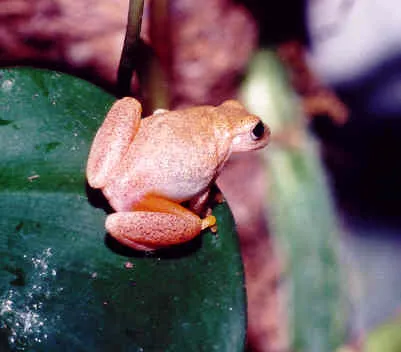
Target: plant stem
point(132, 44)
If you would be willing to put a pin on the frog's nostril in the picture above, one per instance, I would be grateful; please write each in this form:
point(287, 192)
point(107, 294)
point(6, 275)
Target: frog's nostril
point(258, 131)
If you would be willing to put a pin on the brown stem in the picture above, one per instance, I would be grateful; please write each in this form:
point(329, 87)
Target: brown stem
point(130, 53)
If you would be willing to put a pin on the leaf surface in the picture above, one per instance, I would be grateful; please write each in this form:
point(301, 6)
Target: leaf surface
point(65, 285)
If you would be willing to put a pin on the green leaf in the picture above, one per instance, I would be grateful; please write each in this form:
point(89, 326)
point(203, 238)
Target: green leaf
point(66, 286)
point(301, 211)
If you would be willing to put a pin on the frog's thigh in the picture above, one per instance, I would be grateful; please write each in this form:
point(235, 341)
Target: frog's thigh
point(156, 223)
point(154, 203)
point(112, 140)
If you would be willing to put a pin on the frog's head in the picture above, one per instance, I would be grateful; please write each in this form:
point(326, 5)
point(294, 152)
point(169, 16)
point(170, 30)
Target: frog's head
point(248, 131)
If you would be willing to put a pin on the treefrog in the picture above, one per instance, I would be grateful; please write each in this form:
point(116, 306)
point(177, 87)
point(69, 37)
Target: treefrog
point(147, 168)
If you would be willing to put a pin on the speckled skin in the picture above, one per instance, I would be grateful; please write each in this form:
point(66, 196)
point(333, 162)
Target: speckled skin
point(146, 168)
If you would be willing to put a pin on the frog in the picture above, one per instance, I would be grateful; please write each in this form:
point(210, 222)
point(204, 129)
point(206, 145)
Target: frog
point(157, 172)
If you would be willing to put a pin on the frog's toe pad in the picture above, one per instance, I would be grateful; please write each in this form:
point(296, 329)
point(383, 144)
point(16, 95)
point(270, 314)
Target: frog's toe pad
point(208, 221)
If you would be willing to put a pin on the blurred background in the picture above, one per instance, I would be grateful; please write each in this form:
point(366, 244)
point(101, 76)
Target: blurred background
point(342, 59)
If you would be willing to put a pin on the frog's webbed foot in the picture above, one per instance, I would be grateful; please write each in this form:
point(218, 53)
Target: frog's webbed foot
point(155, 223)
point(209, 222)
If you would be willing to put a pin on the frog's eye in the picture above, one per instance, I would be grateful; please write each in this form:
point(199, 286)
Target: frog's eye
point(258, 131)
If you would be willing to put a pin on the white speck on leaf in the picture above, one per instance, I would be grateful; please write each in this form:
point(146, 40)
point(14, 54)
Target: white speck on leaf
point(7, 85)
point(33, 177)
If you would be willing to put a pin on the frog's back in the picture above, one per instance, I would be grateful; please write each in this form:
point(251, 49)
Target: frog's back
point(175, 155)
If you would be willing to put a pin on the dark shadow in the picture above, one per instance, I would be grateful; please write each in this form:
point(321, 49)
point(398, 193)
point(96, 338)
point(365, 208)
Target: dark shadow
point(97, 199)
point(173, 252)
point(5, 333)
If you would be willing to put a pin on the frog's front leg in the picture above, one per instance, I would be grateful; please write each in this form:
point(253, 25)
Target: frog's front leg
point(202, 203)
point(155, 223)
point(199, 203)
point(112, 140)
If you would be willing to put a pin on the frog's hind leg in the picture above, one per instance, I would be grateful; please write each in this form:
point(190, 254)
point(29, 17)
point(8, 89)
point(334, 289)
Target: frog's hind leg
point(112, 140)
point(155, 223)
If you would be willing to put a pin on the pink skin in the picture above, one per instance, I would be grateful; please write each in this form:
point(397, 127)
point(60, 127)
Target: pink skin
point(147, 168)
